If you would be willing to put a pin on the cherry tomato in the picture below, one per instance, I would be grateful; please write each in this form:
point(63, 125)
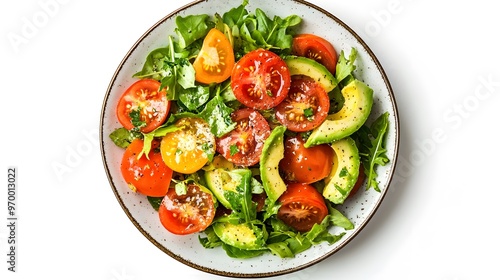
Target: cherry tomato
point(260, 79)
point(302, 206)
point(215, 60)
point(260, 199)
point(187, 213)
point(185, 150)
point(151, 176)
point(305, 107)
point(317, 48)
point(143, 106)
point(243, 145)
point(305, 165)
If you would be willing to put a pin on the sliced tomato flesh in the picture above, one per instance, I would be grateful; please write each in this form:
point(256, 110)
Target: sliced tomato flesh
point(146, 175)
point(187, 213)
point(215, 60)
point(305, 107)
point(260, 79)
point(243, 145)
point(186, 150)
point(317, 48)
point(302, 206)
point(143, 106)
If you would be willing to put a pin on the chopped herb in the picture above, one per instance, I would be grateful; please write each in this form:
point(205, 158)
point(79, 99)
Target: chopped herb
point(344, 172)
point(135, 118)
point(308, 113)
point(233, 149)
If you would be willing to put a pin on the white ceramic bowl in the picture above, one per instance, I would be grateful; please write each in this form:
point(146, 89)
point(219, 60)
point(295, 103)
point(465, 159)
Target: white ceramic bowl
point(187, 249)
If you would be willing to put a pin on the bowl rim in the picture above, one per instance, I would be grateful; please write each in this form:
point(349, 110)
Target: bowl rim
point(359, 228)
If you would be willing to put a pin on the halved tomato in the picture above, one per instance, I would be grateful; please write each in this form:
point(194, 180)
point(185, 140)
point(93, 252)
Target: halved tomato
point(243, 145)
point(260, 79)
point(215, 60)
point(186, 150)
point(305, 165)
point(302, 206)
point(151, 176)
point(187, 213)
point(143, 106)
point(317, 48)
point(305, 107)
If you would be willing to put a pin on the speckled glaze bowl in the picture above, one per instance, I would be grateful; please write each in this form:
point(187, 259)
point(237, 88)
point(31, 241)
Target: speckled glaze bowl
point(187, 249)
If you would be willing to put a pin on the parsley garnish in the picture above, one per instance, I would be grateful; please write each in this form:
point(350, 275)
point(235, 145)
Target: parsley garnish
point(233, 149)
point(135, 118)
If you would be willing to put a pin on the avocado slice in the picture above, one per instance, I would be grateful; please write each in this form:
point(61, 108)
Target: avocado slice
point(298, 65)
point(358, 101)
point(231, 187)
point(242, 236)
point(345, 171)
point(272, 153)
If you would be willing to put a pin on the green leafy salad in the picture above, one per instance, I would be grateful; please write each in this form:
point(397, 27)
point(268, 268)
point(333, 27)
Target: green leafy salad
point(249, 132)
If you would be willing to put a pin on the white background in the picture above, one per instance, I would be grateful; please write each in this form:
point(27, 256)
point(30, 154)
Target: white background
point(438, 221)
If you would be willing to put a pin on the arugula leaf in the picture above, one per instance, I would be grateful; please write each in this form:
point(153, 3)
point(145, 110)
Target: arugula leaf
point(185, 73)
point(218, 116)
point(123, 137)
point(211, 240)
point(234, 252)
point(155, 202)
point(194, 98)
point(275, 32)
point(191, 28)
point(235, 16)
point(155, 65)
point(286, 243)
point(372, 149)
point(345, 66)
point(158, 132)
point(338, 219)
point(241, 198)
point(253, 31)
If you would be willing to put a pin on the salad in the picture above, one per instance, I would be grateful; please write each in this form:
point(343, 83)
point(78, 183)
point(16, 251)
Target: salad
point(250, 133)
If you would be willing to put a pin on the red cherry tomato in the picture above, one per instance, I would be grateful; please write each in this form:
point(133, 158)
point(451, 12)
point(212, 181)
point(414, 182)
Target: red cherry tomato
point(187, 213)
point(305, 107)
point(243, 145)
point(305, 165)
point(143, 106)
point(260, 79)
point(302, 206)
point(317, 48)
point(151, 176)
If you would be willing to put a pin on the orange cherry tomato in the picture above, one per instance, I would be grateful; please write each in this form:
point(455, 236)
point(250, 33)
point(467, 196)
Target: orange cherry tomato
point(215, 61)
point(185, 150)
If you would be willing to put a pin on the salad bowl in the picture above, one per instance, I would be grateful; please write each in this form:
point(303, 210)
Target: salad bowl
point(187, 248)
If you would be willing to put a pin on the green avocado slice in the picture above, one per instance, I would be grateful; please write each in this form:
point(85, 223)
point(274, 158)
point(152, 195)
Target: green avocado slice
point(345, 171)
point(353, 114)
point(272, 153)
